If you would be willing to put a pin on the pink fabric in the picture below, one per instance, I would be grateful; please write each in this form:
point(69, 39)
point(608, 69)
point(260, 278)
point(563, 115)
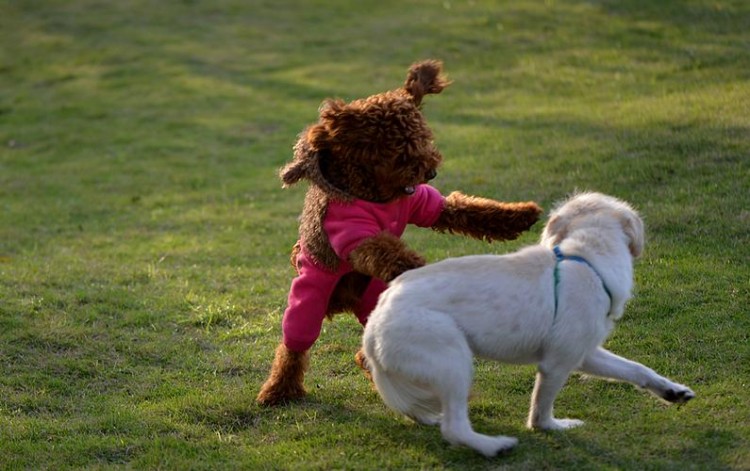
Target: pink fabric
point(347, 225)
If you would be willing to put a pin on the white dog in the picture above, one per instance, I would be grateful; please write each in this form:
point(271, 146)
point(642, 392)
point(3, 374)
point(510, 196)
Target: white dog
point(552, 304)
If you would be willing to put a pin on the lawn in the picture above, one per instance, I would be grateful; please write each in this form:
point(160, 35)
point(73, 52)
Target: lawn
point(144, 234)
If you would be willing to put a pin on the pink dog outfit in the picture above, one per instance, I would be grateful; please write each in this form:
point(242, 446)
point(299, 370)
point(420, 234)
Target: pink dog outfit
point(347, 224)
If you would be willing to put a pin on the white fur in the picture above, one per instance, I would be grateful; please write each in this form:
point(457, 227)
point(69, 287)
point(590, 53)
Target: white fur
point(421, 338)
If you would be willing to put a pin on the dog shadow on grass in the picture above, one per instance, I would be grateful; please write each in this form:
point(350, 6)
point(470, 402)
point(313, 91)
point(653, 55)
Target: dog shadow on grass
point(697, 450)
point(362, 432)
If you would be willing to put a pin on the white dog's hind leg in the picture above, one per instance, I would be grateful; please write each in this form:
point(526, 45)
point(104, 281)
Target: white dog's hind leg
point(608, 365)
point(541, 415)
point(453, 383)
point(457, 430)
point(404, 395)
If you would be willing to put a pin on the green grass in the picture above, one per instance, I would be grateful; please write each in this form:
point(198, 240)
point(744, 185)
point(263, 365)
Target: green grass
point(144, 236)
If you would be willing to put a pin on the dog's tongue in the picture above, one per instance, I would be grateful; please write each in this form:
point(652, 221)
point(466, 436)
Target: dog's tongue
point(409, 190)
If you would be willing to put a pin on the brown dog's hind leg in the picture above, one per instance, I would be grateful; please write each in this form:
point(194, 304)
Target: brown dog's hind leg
point(286, 380)
point(348, 293)
point(361, 360)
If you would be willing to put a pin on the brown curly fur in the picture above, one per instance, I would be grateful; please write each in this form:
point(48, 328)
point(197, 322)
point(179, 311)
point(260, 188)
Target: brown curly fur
point(361, 360)
point(384, 256)
point(369, 149)
point(286, 380)
point(376, 149)
point(484, 218)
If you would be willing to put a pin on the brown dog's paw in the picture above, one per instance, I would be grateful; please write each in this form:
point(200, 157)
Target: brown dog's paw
point(408, 261)
point(361, 360)
point(531, 211)
point(276, 394)
point(286, 381)
point(519, 217)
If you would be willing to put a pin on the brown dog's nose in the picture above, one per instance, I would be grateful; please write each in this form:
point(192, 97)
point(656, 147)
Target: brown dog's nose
point(431, 173)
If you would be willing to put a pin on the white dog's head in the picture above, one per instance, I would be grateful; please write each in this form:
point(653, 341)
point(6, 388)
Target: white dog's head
point(586, 211)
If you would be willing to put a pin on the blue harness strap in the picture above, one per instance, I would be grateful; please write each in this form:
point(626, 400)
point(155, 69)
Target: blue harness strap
point(574, 258)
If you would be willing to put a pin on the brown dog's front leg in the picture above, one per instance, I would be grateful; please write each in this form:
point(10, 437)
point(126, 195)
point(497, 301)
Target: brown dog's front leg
point(384, 256)
point(286, 380)
point(486, 219)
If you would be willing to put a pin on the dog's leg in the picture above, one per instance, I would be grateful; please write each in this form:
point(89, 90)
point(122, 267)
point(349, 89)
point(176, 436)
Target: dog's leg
point(286, 380)
point(384, 256)
point(608, 365)
point(456, 427)
point(361, 360)
point(549, 382)
point(484, 218)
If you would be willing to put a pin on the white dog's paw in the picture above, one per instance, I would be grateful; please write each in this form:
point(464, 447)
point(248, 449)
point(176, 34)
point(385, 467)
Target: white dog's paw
point(428, 420)
point(558, 424)
point(498, 445)
point(678, 394)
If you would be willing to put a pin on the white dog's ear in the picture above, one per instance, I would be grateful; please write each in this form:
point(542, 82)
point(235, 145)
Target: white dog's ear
point(633, 227)
point(555, 230)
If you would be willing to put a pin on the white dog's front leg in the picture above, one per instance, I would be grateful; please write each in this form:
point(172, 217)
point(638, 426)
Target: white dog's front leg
point(541, 415)
point(608, 365)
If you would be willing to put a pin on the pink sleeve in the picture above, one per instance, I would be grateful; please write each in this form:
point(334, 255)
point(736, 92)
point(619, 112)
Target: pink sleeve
point(347, 225)
point(426, 205)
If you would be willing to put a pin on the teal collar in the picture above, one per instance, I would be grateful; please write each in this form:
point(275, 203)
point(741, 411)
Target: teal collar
point(575, 258)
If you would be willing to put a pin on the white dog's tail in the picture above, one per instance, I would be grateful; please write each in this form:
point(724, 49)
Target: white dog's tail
point(404, 395)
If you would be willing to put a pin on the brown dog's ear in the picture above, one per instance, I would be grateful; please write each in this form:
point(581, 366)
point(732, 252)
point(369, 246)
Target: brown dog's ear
point(305, 161)
point(424, 78)
point(292, 173)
